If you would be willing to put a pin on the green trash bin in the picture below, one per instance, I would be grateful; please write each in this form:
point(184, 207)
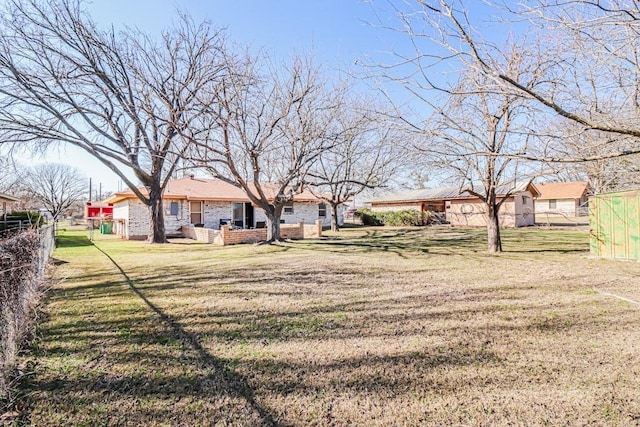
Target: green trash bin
point(106, 228)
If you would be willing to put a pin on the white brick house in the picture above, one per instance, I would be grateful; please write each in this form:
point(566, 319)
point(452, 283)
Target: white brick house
point(209, 203)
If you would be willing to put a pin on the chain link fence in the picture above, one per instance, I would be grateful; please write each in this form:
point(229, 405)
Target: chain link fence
point(24, 256)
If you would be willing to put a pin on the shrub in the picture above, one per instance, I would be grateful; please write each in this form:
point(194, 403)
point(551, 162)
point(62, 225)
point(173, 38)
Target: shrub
point(22, 220)
point(35, 219)
point(368, 217)
point(407, 217)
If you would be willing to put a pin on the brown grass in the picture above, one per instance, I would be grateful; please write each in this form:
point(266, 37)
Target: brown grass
point(375, 327)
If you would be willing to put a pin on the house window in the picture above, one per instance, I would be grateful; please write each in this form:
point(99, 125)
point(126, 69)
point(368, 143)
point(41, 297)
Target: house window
point(553, 203)
point(173, 208)
point(322, 210)
point(196, 212)
point(525, 200)
point(288, 208)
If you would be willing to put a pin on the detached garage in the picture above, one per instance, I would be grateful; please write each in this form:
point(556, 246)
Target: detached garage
point(615, 225)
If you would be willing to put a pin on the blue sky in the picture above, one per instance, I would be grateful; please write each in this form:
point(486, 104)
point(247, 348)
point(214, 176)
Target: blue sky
point(333, 28)
point(337, 32)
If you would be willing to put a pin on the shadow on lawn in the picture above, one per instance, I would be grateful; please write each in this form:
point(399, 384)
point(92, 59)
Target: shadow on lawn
point(464, 242)
point(182, 371)
point(402, 242)
point(234, 383)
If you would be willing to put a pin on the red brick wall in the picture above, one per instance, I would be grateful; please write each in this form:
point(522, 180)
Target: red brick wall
point(231, 237)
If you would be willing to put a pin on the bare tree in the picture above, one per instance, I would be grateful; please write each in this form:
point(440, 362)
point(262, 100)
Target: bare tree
point(478, 125)
point(603, 175)
point(367, 152)
point(57, 187)
point(587, 54)
point(10, 174)
point(473, 135)
point(120, 96)
point(264, 131)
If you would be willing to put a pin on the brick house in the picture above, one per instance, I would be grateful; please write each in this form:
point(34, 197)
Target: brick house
point(208, 203)
point(5, 202)
point(463, 209)
point(564, 198)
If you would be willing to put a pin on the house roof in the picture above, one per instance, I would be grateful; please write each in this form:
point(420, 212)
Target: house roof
point(451, 193)
point(563, 190)
point(7, 198)
point(209, 190)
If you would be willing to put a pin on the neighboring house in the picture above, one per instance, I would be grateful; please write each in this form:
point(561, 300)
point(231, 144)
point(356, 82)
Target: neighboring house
point(6, 201)
point(461, 208)
point(563, 198)
point(208, 203)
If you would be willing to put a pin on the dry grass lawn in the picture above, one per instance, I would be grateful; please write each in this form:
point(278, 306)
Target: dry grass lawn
point(373, 327)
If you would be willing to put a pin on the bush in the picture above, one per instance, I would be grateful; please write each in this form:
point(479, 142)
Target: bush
point(20, 280)
point(403, 218)
point(35, 219)
point(22, 220)
point(368, 217)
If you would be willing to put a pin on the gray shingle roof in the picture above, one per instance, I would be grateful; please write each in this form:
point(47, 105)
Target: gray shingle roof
point(446, 193)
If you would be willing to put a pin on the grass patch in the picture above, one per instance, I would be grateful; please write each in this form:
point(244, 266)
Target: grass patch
point(370, 326)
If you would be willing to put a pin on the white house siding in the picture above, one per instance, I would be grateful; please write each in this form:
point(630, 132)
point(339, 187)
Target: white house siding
point(259, 215)
point(307, 212)
point(132, 216)
point(121, 219)
point(132, 219)
point(174, 223)
point(566, 207)
point(214, 212)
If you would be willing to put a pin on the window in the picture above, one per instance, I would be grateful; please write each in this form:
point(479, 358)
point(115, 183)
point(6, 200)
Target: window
point(196, 212)
point(173, 208)
point(322, 210)
point(238, 214)
point(553, 203)
point(525, 200)
point(288, 208)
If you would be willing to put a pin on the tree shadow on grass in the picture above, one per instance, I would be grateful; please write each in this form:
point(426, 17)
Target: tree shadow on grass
point(176, 371)
point(235, 383)
point(462, 242)
point(401, 242)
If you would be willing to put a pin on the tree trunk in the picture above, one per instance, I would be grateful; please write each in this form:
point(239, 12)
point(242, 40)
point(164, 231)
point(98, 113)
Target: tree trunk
point(493, 227)
point(157, 233)
point(273, 223)
point(334, 217)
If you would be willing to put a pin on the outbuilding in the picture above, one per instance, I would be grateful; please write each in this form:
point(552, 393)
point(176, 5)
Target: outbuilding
point(615, 225)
